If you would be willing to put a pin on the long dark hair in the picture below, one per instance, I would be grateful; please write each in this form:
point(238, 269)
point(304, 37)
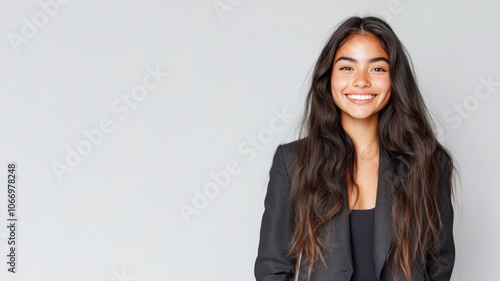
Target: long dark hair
point(326, 157)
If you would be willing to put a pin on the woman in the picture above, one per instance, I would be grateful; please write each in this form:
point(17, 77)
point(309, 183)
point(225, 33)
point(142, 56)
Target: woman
point(365, 193)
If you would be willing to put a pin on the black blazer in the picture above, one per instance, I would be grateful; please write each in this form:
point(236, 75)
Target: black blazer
point(272, 263)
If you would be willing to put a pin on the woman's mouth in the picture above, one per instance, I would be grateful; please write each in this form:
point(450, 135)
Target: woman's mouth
point(360, 99)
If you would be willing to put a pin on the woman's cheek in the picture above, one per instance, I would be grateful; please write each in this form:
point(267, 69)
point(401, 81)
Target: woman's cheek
point(339, 83)
point(384, 83)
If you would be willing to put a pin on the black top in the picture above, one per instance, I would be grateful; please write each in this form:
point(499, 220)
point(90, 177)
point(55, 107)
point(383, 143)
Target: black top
point(362, 244)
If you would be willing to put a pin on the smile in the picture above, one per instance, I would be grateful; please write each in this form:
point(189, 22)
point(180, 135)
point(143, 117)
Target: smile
point(361, 97)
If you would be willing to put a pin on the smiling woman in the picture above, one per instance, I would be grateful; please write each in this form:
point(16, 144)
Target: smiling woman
point(360, 76)
point(366, 193)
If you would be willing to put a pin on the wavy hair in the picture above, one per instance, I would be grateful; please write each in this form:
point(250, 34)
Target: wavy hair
point(326, 158)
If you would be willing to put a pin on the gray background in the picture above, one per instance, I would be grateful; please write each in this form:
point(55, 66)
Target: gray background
point(233, 77)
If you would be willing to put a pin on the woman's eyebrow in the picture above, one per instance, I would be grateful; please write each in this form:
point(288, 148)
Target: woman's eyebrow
point(356, 61)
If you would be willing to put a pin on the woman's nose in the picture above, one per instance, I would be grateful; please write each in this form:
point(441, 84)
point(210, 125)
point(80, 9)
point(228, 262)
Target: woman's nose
point(361, 80)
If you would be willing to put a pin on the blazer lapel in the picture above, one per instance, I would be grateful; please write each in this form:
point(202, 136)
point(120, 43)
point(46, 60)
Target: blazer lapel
point(343, 230)
point(382, 236)
point(382, 232)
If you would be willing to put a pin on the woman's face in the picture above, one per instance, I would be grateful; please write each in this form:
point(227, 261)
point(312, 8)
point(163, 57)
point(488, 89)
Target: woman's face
point(360, 81)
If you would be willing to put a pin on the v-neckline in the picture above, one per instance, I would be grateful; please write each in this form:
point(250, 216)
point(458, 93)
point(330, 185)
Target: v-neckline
point(379, 170)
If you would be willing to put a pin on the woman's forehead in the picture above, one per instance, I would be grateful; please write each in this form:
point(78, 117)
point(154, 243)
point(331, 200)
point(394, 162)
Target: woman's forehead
point(361, 45)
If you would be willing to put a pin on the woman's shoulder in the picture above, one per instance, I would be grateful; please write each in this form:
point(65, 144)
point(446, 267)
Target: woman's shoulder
point(444, 157)
point(287, 151)
point(289, 148)
point(446, 167)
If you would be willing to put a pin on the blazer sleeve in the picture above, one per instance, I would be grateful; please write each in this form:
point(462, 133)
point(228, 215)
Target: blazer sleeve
point(272, 263)
point(440, 269)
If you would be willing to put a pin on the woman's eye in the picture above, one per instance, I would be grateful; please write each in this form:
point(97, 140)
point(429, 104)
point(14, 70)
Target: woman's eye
point(379, 69)
point(346, 68)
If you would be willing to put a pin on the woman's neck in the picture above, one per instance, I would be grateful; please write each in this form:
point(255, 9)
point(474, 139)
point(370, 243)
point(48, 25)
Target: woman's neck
point(364, 133)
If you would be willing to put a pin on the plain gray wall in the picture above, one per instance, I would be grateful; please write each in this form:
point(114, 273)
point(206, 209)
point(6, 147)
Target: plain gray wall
point(179, 105)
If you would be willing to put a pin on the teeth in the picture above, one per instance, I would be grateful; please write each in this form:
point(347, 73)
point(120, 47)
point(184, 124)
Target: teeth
point(361, 97)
